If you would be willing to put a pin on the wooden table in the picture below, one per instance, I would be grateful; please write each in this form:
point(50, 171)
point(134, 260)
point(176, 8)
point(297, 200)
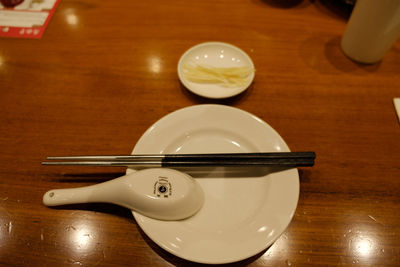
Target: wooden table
point(105, 71)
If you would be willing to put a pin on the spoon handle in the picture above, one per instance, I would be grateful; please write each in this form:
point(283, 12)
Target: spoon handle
point(102, 192)
point(56, 197)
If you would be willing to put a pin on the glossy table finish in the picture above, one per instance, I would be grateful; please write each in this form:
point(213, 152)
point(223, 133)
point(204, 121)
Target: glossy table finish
point(105, 71)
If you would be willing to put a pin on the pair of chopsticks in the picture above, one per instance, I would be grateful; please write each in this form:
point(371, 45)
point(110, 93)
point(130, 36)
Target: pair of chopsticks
point(285, 159)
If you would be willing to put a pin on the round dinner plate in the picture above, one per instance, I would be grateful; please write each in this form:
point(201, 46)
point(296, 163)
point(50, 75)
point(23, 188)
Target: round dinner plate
point(245, 209)
point(216, 54)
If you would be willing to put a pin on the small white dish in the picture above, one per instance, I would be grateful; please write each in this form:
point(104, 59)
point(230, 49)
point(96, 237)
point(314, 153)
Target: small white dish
point(216, 54)
point(245, 210)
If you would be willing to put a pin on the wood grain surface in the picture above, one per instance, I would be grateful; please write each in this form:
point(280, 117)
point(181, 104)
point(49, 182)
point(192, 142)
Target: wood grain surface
point(105, 71)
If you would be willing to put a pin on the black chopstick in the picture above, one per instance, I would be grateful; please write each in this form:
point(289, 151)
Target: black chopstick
point(208, 159)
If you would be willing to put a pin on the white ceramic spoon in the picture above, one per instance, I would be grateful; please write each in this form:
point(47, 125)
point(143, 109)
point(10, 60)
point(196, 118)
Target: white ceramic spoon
point(158, 193)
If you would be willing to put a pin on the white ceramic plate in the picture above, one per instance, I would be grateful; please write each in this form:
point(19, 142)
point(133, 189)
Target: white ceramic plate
point(245, 209)
point(220, 55)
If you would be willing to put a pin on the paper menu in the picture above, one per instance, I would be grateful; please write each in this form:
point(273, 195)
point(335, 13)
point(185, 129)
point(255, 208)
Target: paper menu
point(26, 20)
point(396, 102)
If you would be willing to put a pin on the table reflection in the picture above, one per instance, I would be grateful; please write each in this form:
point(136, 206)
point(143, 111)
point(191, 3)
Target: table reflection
point(362, 244)
point(81, 235)
point(70, 17)
point(154, 64)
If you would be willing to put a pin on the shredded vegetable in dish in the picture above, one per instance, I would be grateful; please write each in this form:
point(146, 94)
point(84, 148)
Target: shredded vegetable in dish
point(227, 77)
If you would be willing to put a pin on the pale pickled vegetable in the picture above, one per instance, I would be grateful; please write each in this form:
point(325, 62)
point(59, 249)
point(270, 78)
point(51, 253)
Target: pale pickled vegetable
point(227, 77)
